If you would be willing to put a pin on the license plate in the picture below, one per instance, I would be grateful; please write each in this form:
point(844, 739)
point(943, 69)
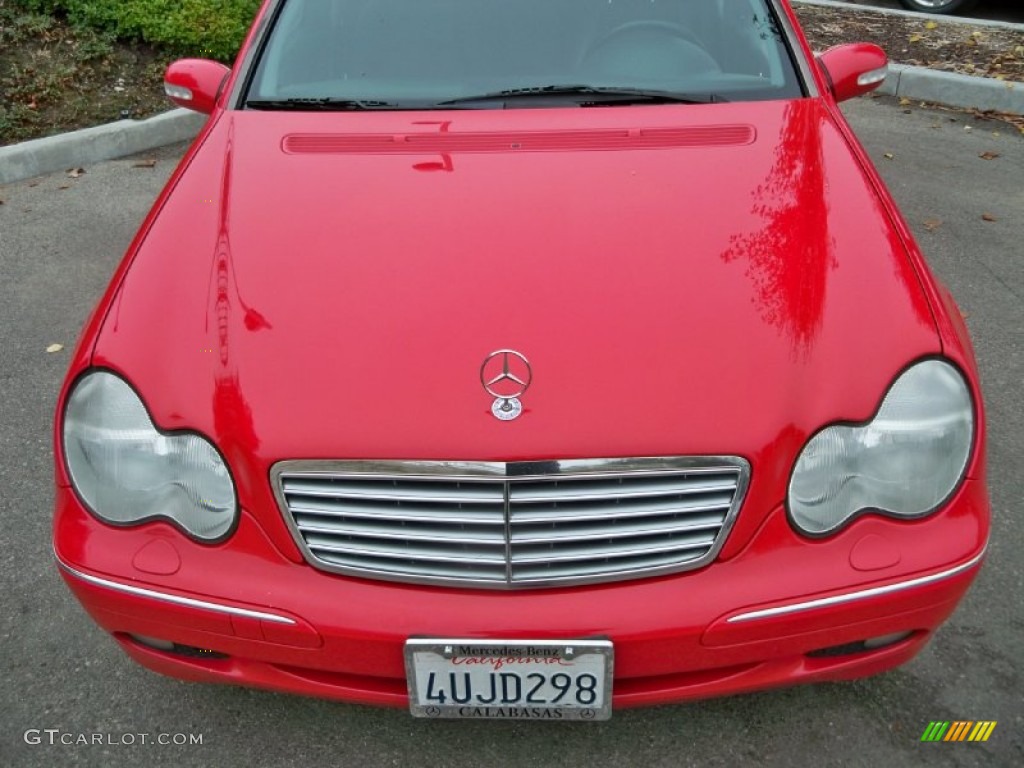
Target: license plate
point(513, 679)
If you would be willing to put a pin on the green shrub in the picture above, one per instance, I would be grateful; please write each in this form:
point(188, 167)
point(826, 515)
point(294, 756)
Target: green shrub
point(203, 28)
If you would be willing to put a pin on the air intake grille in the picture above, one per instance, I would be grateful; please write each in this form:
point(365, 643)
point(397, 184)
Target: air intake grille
point(512, 525)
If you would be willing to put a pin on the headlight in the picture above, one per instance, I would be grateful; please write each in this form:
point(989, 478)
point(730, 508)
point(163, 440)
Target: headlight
point(128, 472)
point(905, 462)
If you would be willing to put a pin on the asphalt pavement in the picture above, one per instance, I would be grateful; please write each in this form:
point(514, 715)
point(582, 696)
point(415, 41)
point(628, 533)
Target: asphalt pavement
point(60, 239)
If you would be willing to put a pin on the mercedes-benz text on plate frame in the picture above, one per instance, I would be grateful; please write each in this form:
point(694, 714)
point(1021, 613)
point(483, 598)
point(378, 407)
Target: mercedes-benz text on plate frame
point(506, 375)
point(510, 679)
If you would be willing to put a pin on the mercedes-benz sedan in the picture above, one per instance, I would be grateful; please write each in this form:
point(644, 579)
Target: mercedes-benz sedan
point(522, 360)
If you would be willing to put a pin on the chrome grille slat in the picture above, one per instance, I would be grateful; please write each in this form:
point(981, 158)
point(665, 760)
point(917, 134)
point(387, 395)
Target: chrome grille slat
point(411, 534)
point(402, 513)
point(591, 511)
point(544, 572)
point(420, 492)
point(568, 491)
point(632, 549)
point(422, 553)
point(373, 568)
point(647, 528)
point(511, 525)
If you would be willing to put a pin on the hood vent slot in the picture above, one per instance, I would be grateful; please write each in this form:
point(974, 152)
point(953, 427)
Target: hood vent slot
point(423, 142)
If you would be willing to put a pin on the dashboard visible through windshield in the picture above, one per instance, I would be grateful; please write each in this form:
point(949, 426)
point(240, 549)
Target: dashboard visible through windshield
point(438, 54)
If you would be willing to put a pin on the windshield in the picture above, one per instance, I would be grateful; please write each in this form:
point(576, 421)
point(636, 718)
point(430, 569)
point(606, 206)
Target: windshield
point(376, 54)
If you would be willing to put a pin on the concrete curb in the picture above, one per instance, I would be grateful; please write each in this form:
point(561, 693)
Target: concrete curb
point(954, 90)
point(93, 145)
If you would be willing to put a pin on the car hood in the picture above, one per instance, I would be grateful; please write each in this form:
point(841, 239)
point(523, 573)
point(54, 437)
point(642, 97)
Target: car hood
point(714, 279)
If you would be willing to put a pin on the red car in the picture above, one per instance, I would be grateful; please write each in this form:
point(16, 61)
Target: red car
point(522, 360)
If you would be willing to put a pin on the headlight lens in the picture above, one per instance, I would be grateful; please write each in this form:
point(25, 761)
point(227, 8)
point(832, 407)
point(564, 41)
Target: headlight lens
point(904, 462)
point(128, 472)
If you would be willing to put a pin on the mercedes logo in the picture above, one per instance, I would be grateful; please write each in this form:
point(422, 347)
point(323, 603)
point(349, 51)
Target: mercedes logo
point(506, 375)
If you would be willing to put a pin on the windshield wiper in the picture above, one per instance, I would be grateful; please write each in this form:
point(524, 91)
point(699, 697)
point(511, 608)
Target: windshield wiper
point(583, 95)
point(591, 95)
point(324, 104)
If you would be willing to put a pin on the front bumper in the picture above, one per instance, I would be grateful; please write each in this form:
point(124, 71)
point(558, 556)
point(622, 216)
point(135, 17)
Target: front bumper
point(784, 610)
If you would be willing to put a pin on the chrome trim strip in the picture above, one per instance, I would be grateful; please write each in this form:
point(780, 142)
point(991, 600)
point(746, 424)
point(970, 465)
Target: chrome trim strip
point(433, 537)
point(430, 557)
point(862, 594)
point(508, 473)
point(169, 598)
point(482, 471)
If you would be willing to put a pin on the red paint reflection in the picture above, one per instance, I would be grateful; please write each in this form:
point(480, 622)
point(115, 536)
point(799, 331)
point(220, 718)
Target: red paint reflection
point(790, 256)
point(233, 420)
point(446, 164)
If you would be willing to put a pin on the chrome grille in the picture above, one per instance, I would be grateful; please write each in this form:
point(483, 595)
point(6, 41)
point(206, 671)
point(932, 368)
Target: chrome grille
point(524, 524)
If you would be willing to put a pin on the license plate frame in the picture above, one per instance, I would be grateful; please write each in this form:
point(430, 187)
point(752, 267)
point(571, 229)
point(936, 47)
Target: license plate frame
point(492, 664)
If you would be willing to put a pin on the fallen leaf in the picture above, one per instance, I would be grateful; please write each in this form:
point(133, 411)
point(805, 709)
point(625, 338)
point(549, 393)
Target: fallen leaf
point(988, 217)
point(889, 155)
point(989, 155)
point(74, 173)
point(914, 39)
point(150, 163)
point(904, 101)
point(932, 224)
point(931, 25)
point(54, 348)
